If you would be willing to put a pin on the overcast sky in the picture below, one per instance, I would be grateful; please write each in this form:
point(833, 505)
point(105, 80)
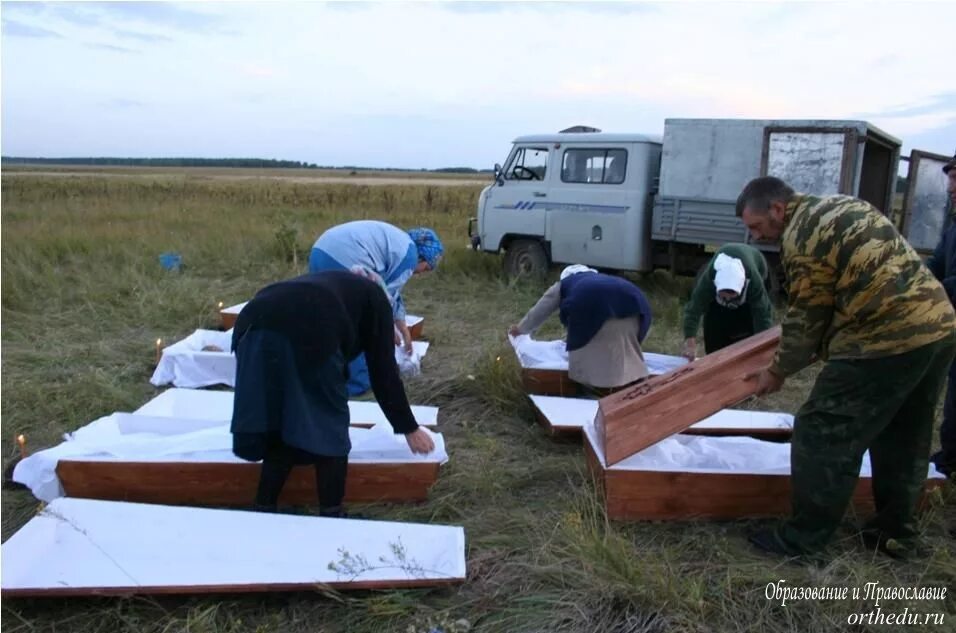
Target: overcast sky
point(451, 84)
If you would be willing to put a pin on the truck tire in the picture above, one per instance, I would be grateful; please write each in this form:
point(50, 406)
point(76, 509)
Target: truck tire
point(526, 258)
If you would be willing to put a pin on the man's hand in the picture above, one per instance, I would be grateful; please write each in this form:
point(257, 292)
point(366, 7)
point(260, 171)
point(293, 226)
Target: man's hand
point(689, 350)
point(767, 381)
point(406, 336)
point(419, 441)
point(514, 331)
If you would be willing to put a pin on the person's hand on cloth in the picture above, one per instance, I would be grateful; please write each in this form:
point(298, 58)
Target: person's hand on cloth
point(403, 336)
point(420, 442)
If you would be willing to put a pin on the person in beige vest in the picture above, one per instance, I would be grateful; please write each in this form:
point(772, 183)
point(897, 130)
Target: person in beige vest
point(607, 319)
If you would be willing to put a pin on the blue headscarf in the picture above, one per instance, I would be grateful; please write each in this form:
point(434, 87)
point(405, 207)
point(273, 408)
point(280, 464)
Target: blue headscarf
point(430, 248)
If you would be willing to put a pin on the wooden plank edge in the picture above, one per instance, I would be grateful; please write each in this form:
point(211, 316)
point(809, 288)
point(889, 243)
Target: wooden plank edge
point(63, 592)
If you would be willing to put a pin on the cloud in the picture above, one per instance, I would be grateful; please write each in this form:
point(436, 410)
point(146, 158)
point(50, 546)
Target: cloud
point(258, 70)
point(124, 104)
point(12, 28)
point(549, 7)
point(112, 48)
point(141, 37)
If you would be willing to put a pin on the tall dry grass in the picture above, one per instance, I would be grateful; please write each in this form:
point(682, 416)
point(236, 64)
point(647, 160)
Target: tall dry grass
point(84, 298)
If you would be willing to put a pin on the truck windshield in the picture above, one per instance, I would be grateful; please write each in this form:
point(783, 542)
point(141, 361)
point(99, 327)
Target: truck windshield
point(528, 163)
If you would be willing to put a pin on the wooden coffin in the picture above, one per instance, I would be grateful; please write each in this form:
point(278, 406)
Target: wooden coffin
point(631, 493)
point(567, 417)
point(81, 547)
point(635, 418)
point(548, 382)
point(204, 404)
point(234, 484)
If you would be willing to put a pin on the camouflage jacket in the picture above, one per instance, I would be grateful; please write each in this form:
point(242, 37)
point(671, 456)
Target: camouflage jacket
point(857, 289)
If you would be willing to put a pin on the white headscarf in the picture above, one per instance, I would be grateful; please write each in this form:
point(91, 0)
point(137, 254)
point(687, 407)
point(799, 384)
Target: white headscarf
point(574, 269)
point(730, 274)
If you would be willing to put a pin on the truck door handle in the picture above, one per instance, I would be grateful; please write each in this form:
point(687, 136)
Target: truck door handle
point(540, 194)
point(596, 233)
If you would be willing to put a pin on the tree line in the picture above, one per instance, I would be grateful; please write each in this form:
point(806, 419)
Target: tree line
point(210, 162)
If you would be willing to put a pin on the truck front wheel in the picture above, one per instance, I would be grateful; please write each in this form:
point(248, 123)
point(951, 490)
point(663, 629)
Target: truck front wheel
point(526, 258)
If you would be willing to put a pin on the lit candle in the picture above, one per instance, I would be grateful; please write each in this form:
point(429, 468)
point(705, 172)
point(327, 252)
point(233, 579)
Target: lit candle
point(22, 442)
point(159, 349)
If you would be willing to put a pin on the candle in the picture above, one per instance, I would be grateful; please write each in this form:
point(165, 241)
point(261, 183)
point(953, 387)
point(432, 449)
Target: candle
point(22, 442)
point(159, 349)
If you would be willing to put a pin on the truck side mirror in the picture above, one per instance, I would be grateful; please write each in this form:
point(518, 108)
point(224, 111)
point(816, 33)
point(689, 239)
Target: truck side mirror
point(499, 176)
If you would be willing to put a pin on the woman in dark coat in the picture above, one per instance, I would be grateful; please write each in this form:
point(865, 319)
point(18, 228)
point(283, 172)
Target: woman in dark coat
point(293, 343)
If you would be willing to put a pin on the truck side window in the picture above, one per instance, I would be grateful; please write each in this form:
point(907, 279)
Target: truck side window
point(528, 163)
point(594, 166)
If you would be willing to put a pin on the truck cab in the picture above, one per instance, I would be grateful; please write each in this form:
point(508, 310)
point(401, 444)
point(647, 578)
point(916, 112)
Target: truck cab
point(571, 198)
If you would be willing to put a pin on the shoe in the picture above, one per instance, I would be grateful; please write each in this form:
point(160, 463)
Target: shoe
point(338, 512)
point(766, 541)
point(943, 463)
point(897, 549)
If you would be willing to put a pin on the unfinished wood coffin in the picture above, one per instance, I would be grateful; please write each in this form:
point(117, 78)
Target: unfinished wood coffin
point(182, 461)
point(80, 547)
point(203, 404)
point(639, 489)
point(544, 366)
point(567, 417)
point(635, 418)
point(228, 316)
point(234, 484)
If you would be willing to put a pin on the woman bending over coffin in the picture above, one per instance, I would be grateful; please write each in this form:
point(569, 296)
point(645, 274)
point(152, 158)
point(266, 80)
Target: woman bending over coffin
point(607, 319)
point(293, 343)
point(395, 255)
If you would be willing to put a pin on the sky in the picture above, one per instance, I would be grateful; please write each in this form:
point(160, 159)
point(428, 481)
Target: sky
point(430, 85)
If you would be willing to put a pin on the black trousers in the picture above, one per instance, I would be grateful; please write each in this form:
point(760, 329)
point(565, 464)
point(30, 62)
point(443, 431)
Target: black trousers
point(726, 326)
point(330, 475)
point(945, 459)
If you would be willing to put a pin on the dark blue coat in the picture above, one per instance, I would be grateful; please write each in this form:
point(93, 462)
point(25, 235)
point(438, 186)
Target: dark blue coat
point(943, 262)
point(590, 299)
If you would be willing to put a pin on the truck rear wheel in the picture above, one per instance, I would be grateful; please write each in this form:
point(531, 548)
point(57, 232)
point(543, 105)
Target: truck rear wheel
point(526, 258)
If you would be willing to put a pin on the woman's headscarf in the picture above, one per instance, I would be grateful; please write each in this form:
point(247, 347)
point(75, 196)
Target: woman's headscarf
point(430, 248)
point(574, 269)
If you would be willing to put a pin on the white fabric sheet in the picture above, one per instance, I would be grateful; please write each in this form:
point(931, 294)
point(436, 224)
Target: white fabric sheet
point(411, 320)
point(132, 437)
point(99, 545)
point(577, 412)
point(184, 364)
point(534, 354)
point(722, 455)
point(199, 404)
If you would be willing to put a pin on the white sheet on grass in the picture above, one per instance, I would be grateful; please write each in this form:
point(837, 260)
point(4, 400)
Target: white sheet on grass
point(704, 454)
point(199, 404)
point(99, 545)
point(184, 364)
point(131, 437)
point(534, 354)
point(577, 412)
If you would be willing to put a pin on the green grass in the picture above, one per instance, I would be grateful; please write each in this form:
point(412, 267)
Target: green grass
point(84, 300)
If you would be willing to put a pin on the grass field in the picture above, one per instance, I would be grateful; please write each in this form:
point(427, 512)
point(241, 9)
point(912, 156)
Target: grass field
point(84, 299)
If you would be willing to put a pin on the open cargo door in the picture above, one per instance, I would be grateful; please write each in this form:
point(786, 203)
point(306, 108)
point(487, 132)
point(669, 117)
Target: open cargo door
point(925, 202)
point(810, 160)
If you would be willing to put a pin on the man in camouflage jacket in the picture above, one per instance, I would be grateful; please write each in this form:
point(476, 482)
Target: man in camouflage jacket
point(860, 300)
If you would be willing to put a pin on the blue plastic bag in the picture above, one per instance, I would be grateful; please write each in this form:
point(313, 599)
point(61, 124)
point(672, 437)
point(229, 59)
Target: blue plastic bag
point(171, 261)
